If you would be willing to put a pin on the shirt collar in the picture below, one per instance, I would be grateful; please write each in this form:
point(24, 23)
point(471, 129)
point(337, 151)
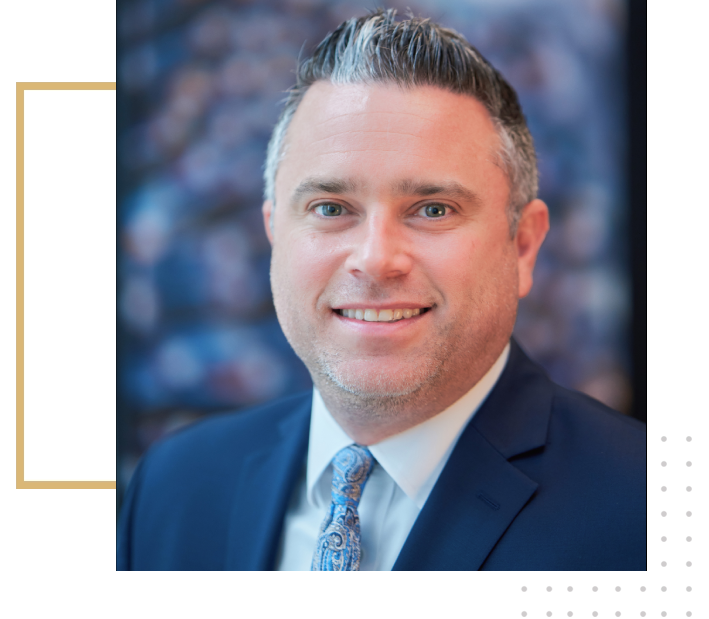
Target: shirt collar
point(413, 459)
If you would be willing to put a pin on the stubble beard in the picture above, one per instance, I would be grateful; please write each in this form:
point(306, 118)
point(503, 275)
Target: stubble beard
point(385, 394)
point(422, 383)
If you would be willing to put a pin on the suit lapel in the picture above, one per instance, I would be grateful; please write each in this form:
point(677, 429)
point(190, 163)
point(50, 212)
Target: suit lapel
point(479, 492)
point(265, 485)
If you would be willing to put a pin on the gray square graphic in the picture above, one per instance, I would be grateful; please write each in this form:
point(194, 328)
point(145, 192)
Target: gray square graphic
point(700, 551)
point(697, 523)
point(697, 499)
point(697, 473)
point(667, 473)
point(699, 578)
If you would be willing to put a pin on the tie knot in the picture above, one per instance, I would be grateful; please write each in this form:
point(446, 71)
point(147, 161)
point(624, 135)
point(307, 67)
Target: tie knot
point(351, 468)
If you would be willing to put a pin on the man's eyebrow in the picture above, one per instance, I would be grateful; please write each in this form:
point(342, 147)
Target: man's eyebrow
point(454, 189)
point(323, 185)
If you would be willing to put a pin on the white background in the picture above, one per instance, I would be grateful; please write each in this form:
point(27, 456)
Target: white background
point(70, 287)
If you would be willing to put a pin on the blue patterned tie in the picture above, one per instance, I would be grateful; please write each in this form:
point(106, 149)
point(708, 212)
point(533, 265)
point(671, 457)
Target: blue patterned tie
point(338, 548)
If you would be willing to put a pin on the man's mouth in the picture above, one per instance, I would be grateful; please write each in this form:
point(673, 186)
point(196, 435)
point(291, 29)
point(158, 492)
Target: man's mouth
point(384, 315)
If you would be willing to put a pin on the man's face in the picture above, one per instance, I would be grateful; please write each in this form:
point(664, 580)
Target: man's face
point(390, 199)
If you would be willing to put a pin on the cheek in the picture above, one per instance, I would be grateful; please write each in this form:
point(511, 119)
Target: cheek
point(453, 263)
point(303, 264)
point(469, 267)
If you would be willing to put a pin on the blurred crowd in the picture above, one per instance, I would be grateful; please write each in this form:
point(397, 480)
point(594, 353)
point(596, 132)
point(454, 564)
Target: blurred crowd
point(200, 87)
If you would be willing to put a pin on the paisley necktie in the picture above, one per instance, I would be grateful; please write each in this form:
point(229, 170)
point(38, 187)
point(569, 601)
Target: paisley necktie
point(338, 546)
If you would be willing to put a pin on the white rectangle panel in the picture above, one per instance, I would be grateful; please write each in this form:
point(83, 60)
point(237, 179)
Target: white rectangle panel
point(70, 289)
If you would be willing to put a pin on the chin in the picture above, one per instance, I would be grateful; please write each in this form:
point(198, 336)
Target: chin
point(370, 383)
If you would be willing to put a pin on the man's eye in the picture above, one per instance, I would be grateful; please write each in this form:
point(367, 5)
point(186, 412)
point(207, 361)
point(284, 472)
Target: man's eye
point(434, 210)
point(329, 210)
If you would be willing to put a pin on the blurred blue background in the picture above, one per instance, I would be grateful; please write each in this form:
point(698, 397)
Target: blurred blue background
point(199, 90)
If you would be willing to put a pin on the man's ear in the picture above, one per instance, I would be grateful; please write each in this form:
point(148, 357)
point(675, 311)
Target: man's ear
point(532, 228)
point(267, 210)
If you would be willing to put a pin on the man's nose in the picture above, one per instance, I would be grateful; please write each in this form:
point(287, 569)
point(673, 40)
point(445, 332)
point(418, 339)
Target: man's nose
point(381, 249)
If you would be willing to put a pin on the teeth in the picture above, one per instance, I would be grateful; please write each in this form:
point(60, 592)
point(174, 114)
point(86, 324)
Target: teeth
point(387, 315)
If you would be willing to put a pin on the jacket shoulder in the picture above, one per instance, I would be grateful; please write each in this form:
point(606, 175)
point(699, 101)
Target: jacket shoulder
point(231, 431)
point(589, 427)
point(570, 402)
point(177, 509)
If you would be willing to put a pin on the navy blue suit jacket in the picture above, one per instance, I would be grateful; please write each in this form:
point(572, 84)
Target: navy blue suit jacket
point(541, 479)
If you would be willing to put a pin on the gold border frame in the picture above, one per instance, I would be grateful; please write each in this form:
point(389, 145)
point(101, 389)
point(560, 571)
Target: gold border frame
point(20, 285)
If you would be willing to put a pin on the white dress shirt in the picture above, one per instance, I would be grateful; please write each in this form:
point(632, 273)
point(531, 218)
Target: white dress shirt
point(406, 469)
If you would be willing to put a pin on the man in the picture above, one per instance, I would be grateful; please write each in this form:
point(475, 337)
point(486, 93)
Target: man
point(401, 206)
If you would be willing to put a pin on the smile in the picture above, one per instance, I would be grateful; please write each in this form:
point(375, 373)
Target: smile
point(385, 315)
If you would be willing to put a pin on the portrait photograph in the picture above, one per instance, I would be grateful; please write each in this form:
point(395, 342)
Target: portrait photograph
point(380, 286)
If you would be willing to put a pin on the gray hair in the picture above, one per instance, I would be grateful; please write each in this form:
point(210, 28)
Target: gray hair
point(415, 52)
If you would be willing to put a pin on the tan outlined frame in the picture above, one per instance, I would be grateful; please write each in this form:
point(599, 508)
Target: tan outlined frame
point(20, 284)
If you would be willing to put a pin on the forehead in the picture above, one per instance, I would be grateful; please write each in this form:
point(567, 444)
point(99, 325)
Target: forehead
point(329, 109)
point(377, 130)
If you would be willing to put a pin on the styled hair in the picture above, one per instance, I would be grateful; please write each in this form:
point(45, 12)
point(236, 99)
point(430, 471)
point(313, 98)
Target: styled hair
point(409, 53)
